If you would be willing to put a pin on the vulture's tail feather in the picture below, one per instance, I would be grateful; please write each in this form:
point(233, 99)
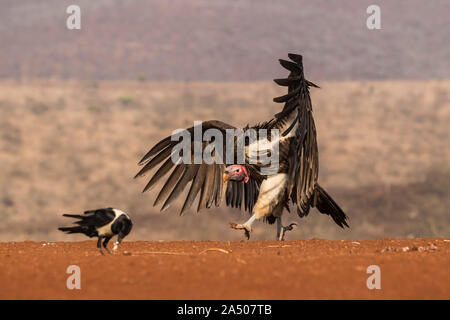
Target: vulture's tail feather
point(326, 205)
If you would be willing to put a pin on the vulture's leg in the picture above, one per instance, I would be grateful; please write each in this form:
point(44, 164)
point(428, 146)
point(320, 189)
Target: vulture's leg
point(105, 244)
point(281, 230)
point(99, 244)
point(247, 226)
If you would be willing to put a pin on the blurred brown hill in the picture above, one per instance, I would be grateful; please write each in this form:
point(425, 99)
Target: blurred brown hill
point(223, 40)
point(70, 146)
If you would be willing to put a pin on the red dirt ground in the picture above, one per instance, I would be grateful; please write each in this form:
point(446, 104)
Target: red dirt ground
point(301, 269)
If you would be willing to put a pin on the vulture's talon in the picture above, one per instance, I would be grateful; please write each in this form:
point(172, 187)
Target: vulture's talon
point(246, 229)
point(284, 229)
point(247, 234)
point(290, 227)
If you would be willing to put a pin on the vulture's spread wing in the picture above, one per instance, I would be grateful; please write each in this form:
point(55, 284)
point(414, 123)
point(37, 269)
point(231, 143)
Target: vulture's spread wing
point(304, 160)
point(204, 179)
point(238, 194)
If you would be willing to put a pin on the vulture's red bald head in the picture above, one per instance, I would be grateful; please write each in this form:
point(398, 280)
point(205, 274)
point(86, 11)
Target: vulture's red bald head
point(236, 172)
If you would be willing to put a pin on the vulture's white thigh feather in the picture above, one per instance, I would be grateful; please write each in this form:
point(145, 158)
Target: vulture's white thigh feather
point(272, 189)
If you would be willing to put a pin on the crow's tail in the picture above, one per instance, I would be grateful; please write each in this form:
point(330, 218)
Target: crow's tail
point(82, 226)
point(77, 229)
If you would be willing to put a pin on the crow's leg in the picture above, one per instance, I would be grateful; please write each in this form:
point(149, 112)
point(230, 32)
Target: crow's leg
point(247, 226)
point(105, 244)
point(281, 230)
point(116, 244)
point(99, 244)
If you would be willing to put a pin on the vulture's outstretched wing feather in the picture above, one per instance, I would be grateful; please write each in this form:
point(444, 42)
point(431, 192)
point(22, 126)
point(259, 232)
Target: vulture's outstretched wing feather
point(242, 194)
point(204, 180)
point(304, 167)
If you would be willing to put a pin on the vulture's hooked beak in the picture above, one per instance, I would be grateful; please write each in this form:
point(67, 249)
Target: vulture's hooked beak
point(226, 176)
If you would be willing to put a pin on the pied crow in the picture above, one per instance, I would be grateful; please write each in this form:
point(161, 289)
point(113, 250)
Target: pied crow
point(102, 223)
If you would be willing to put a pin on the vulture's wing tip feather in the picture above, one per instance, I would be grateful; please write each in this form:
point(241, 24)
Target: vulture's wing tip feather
point(145, 159)
point(147, 188)
point(182, 211)
point(297, 58)
point(165, 207)
point(137, 175)
point(289, 65)
point(288, 81)
point(312, 84)
point(158, 199)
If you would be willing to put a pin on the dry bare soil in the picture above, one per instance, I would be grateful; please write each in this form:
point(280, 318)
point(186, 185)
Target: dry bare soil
point(312, 269)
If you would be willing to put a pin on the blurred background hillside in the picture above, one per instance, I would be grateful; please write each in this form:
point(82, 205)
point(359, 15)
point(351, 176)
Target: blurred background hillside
point(223, 40)
point(78, 109)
